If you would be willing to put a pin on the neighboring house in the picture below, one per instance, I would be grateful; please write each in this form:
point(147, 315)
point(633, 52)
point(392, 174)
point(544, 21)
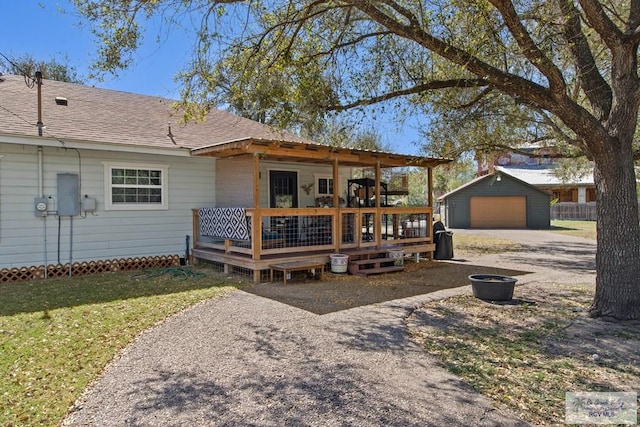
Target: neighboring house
point(496, 200)
point(113, 180)
point(538, 171)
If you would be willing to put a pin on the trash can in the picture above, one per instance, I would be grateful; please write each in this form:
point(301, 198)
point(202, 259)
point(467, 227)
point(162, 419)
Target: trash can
point(444, 245)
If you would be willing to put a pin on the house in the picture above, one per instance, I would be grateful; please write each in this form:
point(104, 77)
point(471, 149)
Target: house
point(572, 198)
point(94, 180)
point(496, 200)
point(535, 165)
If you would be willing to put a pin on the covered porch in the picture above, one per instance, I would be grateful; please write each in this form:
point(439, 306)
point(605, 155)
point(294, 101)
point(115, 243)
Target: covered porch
point(342, 215)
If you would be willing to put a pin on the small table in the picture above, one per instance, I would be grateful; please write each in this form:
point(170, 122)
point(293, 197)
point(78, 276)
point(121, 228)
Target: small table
point(287, 267)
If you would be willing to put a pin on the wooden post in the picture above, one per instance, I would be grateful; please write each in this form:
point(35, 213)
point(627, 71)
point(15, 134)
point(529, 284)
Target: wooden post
point(430, 203)
point(430, 186)
point(336, 234)
point(377, 225)
point(256, 229)
point(195, 221)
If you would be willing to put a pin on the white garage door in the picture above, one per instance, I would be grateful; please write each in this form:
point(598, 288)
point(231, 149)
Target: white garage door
point(498, 212)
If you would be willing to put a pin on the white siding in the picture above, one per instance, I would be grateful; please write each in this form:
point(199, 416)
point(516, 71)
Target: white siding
point(234, 179)
point(103, 234)
point(306, 175)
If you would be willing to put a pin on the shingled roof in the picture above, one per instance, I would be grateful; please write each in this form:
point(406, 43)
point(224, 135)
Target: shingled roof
point(112, 117)
point(89, 115)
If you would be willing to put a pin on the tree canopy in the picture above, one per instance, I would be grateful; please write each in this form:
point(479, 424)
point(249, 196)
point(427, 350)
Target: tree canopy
point(485, 73)
point(52, 69)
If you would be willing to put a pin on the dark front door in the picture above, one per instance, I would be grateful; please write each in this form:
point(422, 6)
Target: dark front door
point(283, 187)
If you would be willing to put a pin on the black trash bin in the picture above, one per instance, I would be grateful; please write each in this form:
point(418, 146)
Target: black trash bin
point(444, 244)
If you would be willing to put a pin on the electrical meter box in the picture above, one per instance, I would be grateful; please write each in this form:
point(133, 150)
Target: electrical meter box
point(88, 204)
point(68, 194)
point(40, 206)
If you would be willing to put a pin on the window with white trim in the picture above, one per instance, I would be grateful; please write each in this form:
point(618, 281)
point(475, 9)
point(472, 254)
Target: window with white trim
point(135, 186)
point(324, 186)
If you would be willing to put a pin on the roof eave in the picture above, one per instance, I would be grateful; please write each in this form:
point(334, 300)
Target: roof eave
point(306, 152)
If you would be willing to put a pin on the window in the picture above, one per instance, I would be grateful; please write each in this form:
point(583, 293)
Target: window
point(131, 186)
point(324, 186)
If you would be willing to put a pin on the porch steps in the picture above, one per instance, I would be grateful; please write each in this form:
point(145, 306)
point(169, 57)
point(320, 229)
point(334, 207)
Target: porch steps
point(366, 262)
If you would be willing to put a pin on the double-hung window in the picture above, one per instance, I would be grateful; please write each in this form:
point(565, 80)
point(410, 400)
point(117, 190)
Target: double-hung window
point(135, 186)
point(324, 186)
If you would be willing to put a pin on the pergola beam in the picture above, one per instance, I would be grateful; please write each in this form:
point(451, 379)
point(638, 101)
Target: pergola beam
point(315, 153)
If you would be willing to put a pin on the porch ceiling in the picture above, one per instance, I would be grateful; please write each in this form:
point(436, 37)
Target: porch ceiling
point(287, 151)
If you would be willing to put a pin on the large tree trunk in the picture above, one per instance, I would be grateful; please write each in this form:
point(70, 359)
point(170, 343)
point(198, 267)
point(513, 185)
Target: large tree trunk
point(618, 250)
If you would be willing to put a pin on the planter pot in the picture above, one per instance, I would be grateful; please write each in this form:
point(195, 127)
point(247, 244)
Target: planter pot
point(397, 255)
point(492, 287)
point(339, 263)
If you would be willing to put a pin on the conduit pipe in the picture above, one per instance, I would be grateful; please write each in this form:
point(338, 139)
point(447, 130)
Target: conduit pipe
point(44, 218)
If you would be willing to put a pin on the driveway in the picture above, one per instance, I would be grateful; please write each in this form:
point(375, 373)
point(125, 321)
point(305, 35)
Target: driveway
point(246, 360)
point(552, 257)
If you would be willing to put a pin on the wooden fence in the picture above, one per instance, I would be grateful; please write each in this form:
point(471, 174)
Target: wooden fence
point(575, 211)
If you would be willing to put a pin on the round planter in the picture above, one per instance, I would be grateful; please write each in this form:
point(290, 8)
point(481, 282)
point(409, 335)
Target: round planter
point(397, 255)
point(492, 287)
point(339, 263)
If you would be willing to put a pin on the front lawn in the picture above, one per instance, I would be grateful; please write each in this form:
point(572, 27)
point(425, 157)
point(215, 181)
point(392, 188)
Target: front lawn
point(483, 245)
point(586, 229)
point(528, 353)
point(56, 336)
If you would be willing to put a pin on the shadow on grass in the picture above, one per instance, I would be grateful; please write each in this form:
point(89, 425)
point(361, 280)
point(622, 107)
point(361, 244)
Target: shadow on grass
point(562, 228)
point(336, 293)
point(44, 295)
point(545, 337)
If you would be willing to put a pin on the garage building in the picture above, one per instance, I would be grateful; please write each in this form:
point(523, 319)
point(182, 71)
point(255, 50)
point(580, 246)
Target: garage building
point(496, 200)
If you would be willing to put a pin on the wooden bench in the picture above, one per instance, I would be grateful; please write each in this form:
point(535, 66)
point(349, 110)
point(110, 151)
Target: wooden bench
point(288, 267)
point(372, 261)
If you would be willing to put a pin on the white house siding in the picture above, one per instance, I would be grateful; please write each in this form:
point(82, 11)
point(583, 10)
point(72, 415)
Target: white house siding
point(234, 183)
point(104, 234)
point(306, 175)
point(234, 178)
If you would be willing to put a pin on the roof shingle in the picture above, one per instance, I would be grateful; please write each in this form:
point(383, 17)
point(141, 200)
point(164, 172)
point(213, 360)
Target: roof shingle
point(113, 117)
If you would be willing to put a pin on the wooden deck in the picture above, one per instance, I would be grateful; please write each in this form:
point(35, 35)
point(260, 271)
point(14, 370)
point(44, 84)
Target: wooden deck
point(257, 266)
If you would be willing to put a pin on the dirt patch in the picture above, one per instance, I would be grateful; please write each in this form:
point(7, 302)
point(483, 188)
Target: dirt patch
point(529, 352)
point(337, 292)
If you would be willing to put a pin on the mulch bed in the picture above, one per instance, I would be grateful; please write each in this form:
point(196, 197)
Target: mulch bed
point(337, 292)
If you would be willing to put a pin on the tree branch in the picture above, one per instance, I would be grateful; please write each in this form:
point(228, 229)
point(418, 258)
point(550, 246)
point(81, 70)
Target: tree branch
point(595, 86)
point(440, 84)
point(529, 47)
point(598, 19)
point(476, 99)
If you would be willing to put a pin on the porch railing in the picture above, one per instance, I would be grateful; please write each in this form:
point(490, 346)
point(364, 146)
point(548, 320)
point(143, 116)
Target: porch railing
point(299, 230)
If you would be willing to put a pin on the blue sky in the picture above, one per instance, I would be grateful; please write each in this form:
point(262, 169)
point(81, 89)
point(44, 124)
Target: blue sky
point(39, 29)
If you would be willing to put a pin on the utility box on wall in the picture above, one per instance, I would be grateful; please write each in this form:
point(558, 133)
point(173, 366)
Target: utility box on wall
point(68, 194)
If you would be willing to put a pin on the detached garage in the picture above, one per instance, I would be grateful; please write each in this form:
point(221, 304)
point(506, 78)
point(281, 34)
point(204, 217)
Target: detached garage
point(496, 201)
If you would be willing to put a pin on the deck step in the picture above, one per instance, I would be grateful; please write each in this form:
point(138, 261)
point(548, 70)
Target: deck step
point(379, 270)
point(372, 261)
point(379, 263)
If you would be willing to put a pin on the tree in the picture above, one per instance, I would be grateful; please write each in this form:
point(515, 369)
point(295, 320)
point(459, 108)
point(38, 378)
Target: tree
point(52, 70)
point(561, 70)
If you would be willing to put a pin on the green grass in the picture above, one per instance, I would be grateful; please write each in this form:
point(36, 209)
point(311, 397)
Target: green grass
point(56, 336)
point(471, 244)
point(586, 229)
point(528, 356)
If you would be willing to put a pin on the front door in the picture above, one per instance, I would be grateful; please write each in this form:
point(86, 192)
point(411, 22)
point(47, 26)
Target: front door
point(283, 189)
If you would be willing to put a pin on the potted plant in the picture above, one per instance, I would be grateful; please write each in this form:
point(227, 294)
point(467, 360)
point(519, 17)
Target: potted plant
point(492, 287)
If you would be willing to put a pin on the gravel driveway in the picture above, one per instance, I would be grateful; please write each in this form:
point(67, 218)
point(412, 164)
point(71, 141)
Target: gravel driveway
point(245, 360)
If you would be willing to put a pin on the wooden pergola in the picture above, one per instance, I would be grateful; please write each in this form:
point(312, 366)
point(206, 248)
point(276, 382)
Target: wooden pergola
point(260, 150)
